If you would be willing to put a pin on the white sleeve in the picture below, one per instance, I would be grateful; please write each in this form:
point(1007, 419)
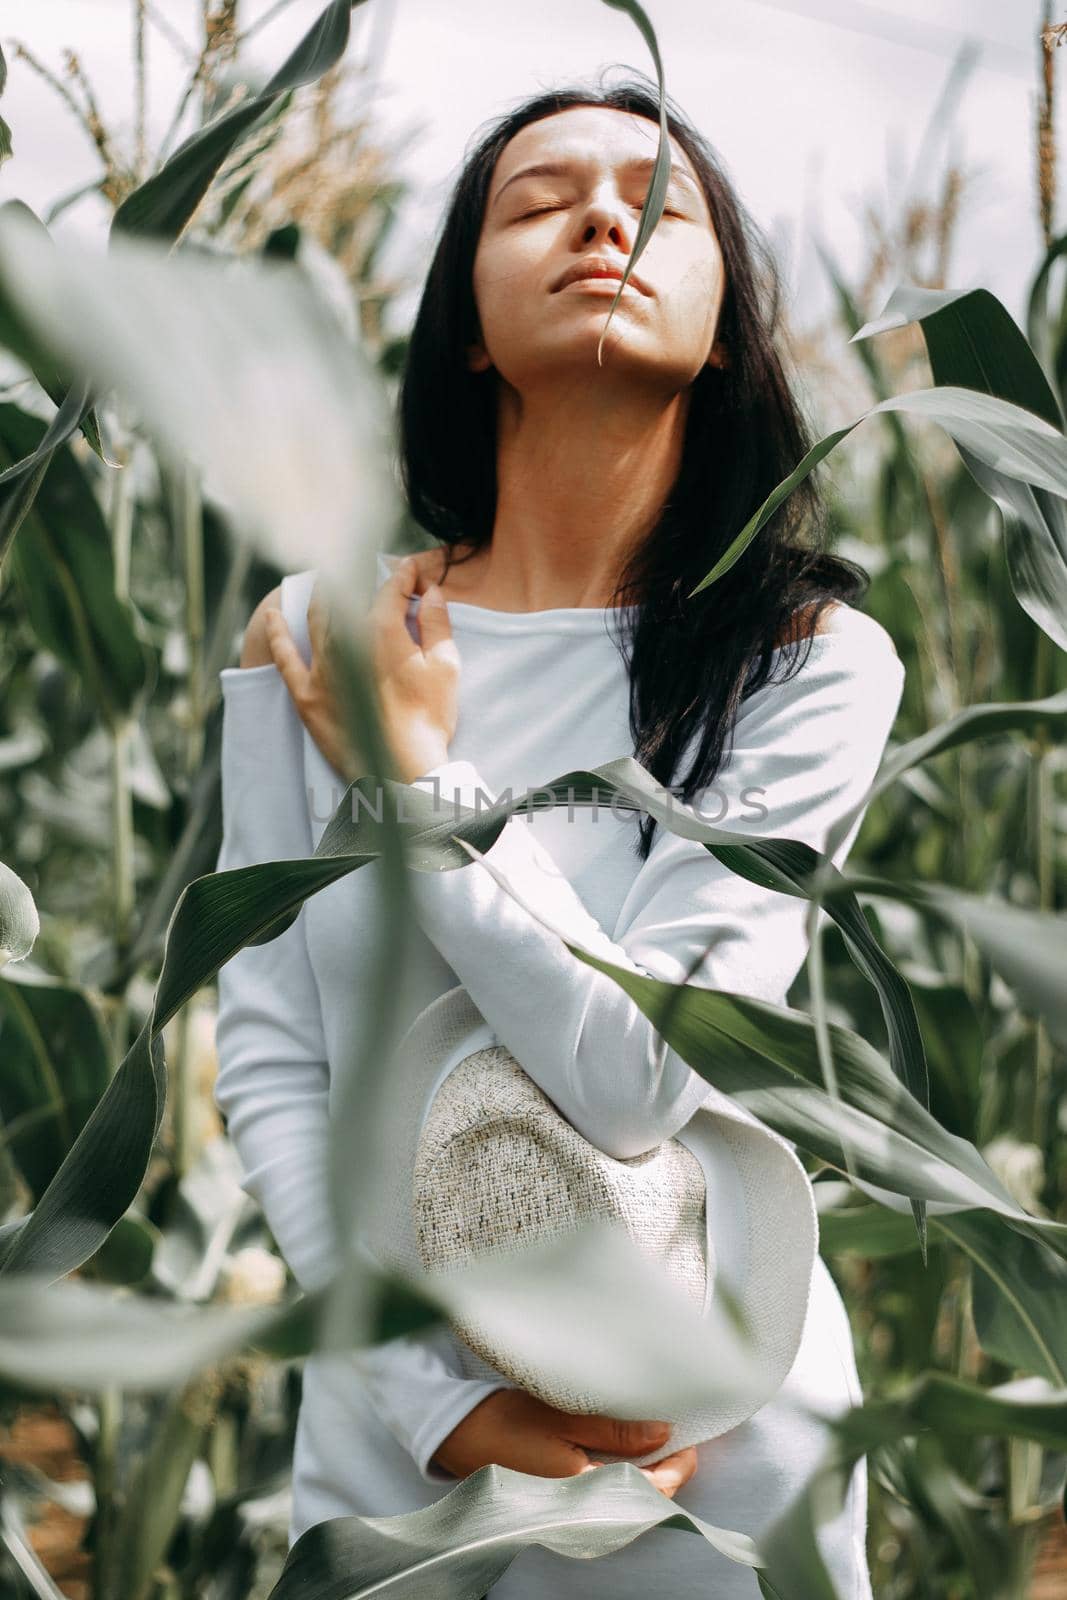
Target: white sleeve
point(805, 751)
point(417, 1388)
point(273, 1077)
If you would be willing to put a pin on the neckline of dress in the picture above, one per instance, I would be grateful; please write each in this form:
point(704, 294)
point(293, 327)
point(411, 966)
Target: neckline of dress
point(593, 620)
point(488, 619)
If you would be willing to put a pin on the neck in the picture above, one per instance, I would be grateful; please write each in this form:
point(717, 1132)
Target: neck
point(581, 481)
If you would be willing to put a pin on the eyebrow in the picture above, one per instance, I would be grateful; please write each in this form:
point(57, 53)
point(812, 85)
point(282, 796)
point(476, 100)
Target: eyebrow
point(560, 169)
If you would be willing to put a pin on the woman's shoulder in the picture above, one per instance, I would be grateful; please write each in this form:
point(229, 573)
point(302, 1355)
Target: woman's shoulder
point(290, 597)
point(850, 669)
point(841, 621)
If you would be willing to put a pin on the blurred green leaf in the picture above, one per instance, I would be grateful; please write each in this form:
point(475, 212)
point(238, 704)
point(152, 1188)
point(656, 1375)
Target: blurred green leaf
point(57, 1060)
point(83, 1336)
point(1027, 948)
point(125, 1257)
point(1043, 330)
point(6, 147)
point(240, 366)
point(1026, 1409)
point(151, 1506)
point(76, 1335)
point(62, 563)
point(216, 385)
point(19, 483)
point(973, 722)
point(1019, 1294)
point(32, 351)
point(161, 207)
point(866, 1230)
point(1019, 1297)
point(952, 1031)
point(941, 1496)
point(164, 204)
point(19, 922)
point(793, 1567)
point(587, 1309)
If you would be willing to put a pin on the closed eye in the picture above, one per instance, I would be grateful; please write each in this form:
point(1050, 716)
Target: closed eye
point(540, 210)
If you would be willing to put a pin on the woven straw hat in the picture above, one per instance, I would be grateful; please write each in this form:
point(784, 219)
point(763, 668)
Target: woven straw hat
point(485, 1163)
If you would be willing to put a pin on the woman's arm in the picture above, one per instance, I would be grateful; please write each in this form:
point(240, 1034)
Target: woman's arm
point(272, 1084)
point(807, 750)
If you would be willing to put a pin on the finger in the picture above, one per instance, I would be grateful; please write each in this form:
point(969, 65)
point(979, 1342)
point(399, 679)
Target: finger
point(285, 655)
point(322, 617)
point(403, 581)
point(543, 1455)
point(616, 1435)
point(434, 627)
point(389, 611)
point(670, 1474)
point(318, 622)
point(657, 1481)
point(555, 1458)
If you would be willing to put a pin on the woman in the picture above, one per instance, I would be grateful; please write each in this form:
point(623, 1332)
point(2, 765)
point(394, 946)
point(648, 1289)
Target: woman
point(575, 506)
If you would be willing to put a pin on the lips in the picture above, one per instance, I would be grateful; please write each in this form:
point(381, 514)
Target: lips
point(597, 267)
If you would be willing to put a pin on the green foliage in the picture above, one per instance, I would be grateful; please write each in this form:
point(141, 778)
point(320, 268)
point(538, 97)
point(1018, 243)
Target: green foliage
point(918, 1068)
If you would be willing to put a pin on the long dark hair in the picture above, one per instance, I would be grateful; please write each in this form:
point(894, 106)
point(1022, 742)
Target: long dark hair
point(691, 662)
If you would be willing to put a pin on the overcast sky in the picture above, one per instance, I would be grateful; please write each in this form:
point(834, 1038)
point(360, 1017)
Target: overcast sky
point(816, 107)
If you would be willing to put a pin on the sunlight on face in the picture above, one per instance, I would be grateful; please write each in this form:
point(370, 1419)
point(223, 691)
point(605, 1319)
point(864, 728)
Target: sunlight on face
point(570, 188)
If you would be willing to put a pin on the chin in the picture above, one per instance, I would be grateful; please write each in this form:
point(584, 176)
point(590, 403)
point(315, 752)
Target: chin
point(572, 356)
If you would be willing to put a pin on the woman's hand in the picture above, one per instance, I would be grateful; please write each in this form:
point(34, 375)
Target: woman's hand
point(511, 1428)
point(417, 684)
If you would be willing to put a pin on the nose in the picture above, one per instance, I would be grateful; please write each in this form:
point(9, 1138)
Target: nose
point(606, 216)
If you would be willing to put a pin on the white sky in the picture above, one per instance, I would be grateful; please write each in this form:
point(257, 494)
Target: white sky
point(816, 107)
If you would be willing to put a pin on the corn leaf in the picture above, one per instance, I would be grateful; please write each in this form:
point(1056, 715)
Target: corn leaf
point(973, 342)
point(655, 199)
point(457, 1547)
point(1025, 454)
point(61, 561)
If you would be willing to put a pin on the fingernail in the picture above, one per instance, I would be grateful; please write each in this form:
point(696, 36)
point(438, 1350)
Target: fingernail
point(656, 1430)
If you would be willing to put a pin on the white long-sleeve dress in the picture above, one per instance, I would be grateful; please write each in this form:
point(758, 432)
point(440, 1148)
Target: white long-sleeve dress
point(541, 694)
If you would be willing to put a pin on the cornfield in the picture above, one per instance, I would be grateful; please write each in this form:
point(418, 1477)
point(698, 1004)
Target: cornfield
point(195, 412)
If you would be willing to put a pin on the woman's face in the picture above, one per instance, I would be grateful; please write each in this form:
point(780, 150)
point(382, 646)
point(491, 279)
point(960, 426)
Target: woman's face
point(538, 225)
